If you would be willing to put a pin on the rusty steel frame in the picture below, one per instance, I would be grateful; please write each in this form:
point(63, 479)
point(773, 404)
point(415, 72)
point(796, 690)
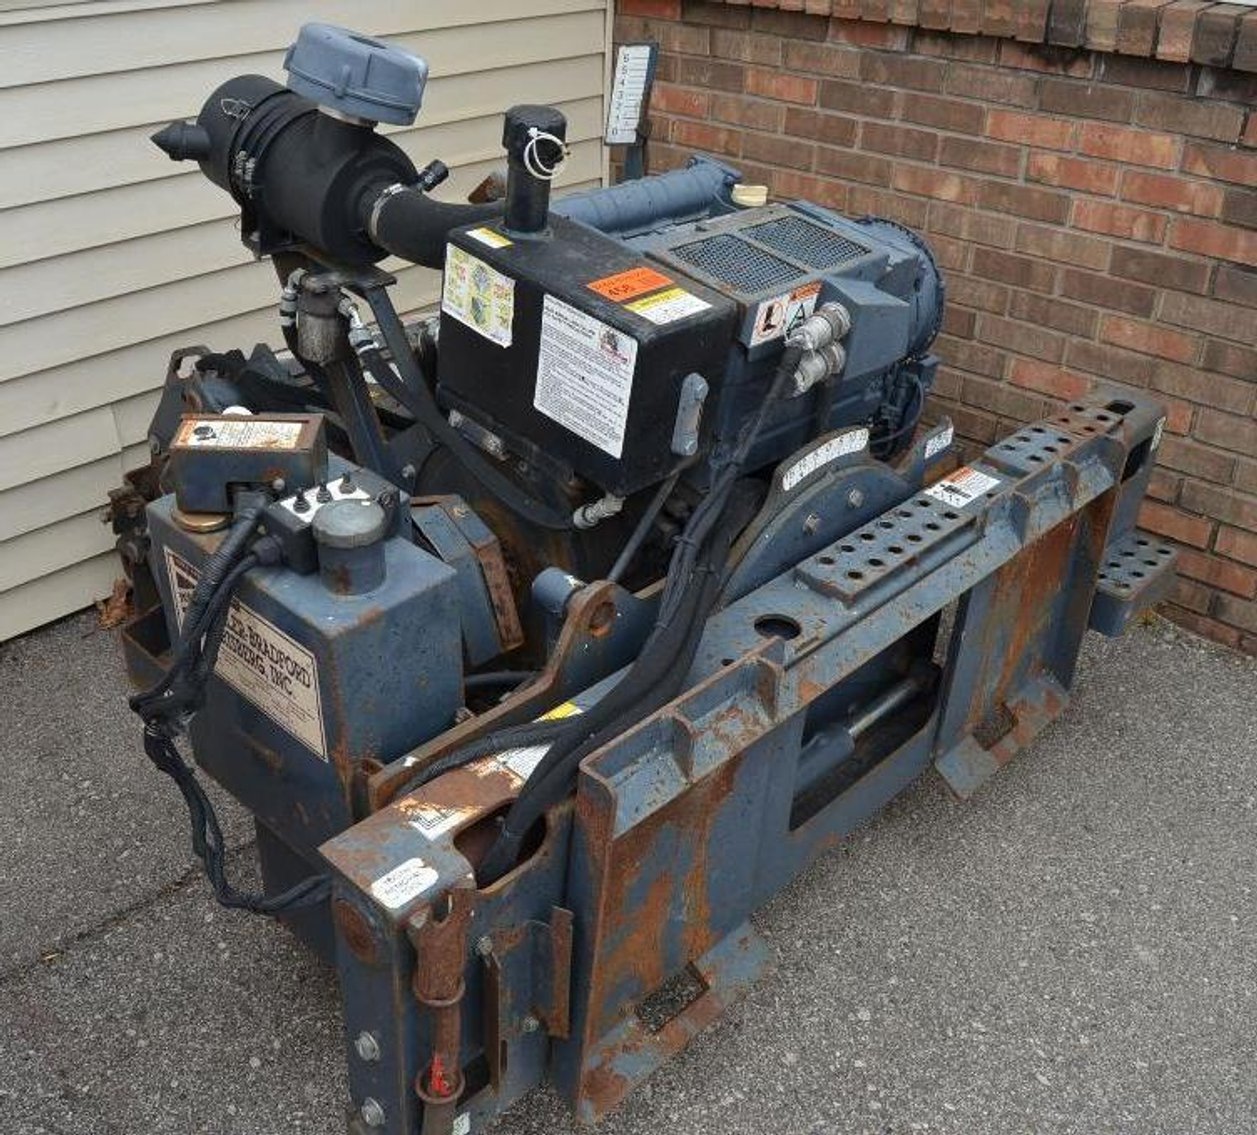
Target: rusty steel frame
point(938, 634)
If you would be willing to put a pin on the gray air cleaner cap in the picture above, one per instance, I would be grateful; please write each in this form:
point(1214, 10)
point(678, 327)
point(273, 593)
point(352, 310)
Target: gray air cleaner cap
point(355, 74)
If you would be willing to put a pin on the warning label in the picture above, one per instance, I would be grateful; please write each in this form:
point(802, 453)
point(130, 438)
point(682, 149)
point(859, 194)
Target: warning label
point(625, 285)
point(962, 487)
point(238, 433)
point(781, 315)
point(261, 663)
point(669, 306)
point(585, 375)
point(850, 442)
point(478, 296)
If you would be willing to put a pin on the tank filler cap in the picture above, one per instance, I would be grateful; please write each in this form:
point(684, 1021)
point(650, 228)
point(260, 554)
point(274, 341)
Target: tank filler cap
point(356, 75)
point(350, 524)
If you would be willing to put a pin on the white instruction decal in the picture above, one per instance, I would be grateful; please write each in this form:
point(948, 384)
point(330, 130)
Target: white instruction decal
point(462, 1124)
point(477, 295)
point(261, 663)
point(850, 442)
point(781, 315)
point(962, 487)
point(668, 306)
point(238, 433)
point(585, 375)
point(404, 883)
point(939, 442)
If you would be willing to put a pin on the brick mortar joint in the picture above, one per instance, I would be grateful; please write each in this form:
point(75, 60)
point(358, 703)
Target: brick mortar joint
point(1223, 40)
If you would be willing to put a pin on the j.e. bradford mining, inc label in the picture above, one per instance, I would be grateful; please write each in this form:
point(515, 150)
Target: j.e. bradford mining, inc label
point(261, 663)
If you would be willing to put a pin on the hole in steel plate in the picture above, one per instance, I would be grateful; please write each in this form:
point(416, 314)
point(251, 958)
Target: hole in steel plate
point(778, 626)
point(829, 561)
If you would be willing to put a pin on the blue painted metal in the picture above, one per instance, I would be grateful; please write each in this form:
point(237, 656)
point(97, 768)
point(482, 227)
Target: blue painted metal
point(699, 191)
point(686, 823)
point(300, 773)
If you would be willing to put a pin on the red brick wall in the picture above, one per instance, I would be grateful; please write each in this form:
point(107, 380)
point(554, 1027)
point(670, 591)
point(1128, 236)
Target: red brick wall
point(1095, 213)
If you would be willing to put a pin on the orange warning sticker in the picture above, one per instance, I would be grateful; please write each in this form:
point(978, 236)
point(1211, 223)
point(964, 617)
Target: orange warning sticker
point(625, 285)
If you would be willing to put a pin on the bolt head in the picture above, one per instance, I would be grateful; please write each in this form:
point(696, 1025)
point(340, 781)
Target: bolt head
point(366, 1046)
point(530, 1024)
point(372, 1113)
point(812, 523)
point(855, 498)
point(484, 946)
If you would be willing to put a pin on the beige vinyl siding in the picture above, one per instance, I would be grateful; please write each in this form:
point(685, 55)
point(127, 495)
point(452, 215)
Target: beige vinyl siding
point(111, 256)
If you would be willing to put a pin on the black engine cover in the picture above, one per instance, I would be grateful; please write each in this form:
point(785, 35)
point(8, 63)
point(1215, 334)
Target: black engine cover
point(577, 345)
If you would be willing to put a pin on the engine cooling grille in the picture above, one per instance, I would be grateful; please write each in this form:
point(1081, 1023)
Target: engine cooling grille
point(736, 262)
point(811, 244)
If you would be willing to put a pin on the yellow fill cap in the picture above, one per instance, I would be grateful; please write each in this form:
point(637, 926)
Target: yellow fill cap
point(749, 196)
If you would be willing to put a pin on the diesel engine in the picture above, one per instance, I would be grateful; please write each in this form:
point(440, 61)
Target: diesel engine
point(547, 636)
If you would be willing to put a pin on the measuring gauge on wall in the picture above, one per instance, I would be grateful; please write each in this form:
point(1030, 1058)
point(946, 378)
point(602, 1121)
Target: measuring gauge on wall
point(629, 102)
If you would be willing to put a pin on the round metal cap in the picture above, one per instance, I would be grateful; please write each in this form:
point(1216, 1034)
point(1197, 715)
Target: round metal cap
point(349, 524)
point(356, 75)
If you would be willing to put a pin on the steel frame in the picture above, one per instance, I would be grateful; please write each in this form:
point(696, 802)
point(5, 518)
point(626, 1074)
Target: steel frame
point(939, 633)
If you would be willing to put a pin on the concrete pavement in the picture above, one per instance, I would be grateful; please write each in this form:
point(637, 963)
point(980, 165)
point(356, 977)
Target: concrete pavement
point(1073, 951)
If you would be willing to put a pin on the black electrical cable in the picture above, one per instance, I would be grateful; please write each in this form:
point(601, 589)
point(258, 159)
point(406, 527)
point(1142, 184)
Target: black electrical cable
point(638, 537)
point(910, 421)
point(167, 706)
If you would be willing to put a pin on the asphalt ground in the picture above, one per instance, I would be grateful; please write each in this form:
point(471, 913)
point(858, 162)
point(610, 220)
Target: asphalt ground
point(1075, 950)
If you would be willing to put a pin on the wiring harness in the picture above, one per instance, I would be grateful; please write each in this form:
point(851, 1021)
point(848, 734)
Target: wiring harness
point(168, 706)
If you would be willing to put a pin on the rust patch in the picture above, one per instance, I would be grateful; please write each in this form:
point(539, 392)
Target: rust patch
point(356, 931)
point(116, 609)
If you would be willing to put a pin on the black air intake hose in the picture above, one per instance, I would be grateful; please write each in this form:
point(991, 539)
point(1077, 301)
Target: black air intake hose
point(409, 224)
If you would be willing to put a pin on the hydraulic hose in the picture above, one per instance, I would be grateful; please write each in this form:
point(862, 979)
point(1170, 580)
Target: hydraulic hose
point(413, 392)
point(693, 583)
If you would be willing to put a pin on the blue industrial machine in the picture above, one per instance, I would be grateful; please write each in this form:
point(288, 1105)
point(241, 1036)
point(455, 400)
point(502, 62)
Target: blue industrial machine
point(547, 640)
